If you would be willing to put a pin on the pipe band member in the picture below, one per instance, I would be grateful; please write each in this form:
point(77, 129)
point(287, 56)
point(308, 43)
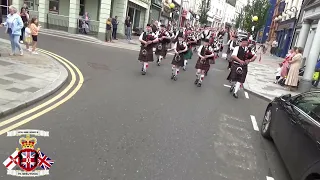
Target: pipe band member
point(242, 56)
point(164, 39)
point(191, 41)
point(180, 48)
point(147, 39)
point(232, 43)
point(205, 53)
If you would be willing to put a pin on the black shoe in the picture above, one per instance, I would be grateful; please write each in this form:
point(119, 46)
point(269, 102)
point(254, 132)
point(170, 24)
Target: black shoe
point(175, 78)
point(231, 88)
point(199, 84)
point(172, 76)
point(235, 95)
point(196, 81)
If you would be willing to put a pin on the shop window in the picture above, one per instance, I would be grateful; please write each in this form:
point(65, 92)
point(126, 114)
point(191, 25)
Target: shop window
point(31, 4)
point(54, 6)
point(82, 8)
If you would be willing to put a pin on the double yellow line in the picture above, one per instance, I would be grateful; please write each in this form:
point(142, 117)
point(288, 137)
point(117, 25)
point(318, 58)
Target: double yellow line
point(54, 102)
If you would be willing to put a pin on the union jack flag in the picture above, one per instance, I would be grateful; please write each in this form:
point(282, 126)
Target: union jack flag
point(44, 161)
point(28, 159)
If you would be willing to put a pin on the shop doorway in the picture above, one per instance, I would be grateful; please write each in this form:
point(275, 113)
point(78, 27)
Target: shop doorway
point(134, 15)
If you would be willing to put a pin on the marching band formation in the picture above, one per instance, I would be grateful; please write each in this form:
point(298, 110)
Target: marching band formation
point(187, 41)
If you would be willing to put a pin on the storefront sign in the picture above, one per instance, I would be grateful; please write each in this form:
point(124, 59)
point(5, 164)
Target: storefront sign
point(289, 24)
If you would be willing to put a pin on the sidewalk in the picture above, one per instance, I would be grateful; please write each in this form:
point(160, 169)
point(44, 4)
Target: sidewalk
point(24, 80)
point(261, 76)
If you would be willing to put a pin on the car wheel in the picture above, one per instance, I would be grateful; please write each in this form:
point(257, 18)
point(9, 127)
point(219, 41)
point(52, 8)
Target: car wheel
point(266, 122)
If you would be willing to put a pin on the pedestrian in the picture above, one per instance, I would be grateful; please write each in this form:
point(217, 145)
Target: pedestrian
point(128, 28)
point(180, 47)
point(115, 23)
point(293, 74)
point(242, 56)
point(205, 53)
point(161, 48)
point(278, 73)
point(25, 19)
point(35, 28)
point(13, 25)
point(109, 30)
point(147, 39)
point(274, 47)
point(25, 6)
point(28, 38)
point(191, 41)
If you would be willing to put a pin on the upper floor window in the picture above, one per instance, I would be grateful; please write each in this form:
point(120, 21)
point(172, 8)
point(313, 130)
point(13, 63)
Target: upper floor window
point(54, 6)
point(30, 4)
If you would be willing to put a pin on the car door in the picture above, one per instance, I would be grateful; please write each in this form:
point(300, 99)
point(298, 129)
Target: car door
point(281, 125)
point(303, 146)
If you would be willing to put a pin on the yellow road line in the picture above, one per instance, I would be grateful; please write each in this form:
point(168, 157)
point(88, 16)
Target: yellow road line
point(20, 123)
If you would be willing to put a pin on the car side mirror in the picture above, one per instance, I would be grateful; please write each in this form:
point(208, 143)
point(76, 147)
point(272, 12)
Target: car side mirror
point(285, 98)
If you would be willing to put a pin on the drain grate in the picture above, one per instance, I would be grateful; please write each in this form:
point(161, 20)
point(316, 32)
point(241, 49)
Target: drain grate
point(98, 66)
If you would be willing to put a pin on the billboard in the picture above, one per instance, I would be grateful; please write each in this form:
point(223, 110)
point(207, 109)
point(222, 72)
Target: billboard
point(231, 2)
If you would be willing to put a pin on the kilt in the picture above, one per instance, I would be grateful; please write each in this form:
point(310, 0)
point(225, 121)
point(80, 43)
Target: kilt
point(233, 76)
point(188, 54)
point(178, 63)
point(163, 51)
point(149, 56)
point(203, 66)
point(199, 42)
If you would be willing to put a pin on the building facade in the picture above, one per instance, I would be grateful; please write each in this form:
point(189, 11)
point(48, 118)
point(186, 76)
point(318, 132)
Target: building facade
point(217, 11)
point(288, 11)
point(266, 29)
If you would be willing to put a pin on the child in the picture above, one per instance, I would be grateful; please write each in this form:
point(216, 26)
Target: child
point(205, 53)
point(278, 73)
point(28, 38)
point(34, 27)
point(180, 48)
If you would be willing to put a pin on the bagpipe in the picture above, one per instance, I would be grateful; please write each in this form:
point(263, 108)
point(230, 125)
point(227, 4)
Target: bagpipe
point(148, 37)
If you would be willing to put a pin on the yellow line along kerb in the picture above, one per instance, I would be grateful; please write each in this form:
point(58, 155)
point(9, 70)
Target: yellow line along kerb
point(72, 93)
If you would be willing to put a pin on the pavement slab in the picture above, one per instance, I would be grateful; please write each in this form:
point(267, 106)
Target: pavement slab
point(27, 79)
point(261, 76)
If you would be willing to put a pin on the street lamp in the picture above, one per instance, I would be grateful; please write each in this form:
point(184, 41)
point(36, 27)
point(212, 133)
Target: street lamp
point(291, 11)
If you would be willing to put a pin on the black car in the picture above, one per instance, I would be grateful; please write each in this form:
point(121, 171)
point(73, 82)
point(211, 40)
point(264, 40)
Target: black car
point(293, 123)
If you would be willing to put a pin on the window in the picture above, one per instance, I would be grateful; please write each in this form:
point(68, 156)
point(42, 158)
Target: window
point(30, 4)
point(54, 6)
point(82, 9)
point(309, 103)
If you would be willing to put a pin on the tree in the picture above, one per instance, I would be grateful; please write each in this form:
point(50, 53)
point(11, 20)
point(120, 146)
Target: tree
point(203, 11)
point(258, 8)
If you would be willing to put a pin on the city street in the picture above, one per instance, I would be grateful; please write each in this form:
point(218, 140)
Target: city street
point(122, 125)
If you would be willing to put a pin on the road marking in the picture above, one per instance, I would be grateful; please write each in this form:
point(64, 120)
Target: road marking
point(254, 123)
point(246, 94)
point(71, 84)
point(270, 178)
point(71, 94)
point(225, 85)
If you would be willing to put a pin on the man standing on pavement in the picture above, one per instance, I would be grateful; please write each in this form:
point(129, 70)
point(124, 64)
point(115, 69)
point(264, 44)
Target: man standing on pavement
point(128, 28)
point(115, 27)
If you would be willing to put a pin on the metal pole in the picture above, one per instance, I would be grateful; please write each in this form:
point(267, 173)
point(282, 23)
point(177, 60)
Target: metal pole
point(180, 13)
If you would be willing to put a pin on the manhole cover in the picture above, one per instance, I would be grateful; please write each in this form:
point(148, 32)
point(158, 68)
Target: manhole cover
point(98, 66)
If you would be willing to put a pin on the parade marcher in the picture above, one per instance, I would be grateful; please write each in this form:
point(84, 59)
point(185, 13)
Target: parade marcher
point(191, 41)
point(206, 34)
point(242, 56)
point(180, 48)
point(164, 39)
point(205, 53)
point(232, 43)
point(180, 33)
point(147, 39)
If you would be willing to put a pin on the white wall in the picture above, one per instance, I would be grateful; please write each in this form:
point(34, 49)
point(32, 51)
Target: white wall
point(91, 6)
point(64, 6)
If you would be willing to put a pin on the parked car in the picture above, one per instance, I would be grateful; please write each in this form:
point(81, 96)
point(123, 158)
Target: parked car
point(293, 123)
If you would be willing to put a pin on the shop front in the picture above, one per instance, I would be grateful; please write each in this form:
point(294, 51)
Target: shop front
point(155, 10)
point(137, 11)
point(284, 36)
point(166, 11)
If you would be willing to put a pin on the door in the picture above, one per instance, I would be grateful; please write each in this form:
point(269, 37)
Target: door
point(131, 13)
point(137, 19)
point(281, 125)
point(304, 144)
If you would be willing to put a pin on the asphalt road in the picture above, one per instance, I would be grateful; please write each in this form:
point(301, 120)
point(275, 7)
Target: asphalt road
point(122, 125)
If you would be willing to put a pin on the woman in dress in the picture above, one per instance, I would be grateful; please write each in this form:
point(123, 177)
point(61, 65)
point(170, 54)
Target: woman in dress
point(293, 75)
